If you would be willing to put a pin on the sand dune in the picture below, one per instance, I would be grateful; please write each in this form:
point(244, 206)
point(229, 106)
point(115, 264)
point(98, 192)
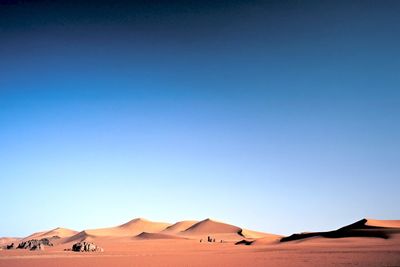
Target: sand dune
point(81, 236)
point(179, 227)
point(221, 232)
point(129, 229)
point(144, 229)
point(364, 228)
point(147, 236)
point(209, 226)
point(8, 240)
point(254, 234)
point(258, 238)
point(57, 232)
point(383, 223)
point(143, 225)
point(266, 240)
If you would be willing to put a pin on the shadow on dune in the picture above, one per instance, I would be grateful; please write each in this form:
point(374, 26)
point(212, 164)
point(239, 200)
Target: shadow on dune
point(357, 229)
point(244, 242)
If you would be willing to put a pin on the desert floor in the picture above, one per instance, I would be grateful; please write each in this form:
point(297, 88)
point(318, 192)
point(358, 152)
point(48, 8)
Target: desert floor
point(314, 252)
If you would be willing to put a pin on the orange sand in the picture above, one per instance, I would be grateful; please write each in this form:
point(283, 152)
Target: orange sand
point(177, 246)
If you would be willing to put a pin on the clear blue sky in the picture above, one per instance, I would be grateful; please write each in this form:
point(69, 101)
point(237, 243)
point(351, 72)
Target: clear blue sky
point(276, 116)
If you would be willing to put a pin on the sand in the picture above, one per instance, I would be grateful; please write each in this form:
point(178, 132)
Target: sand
point(8, 240)
point(179, 227)
point(167, 247)
point(57, 232)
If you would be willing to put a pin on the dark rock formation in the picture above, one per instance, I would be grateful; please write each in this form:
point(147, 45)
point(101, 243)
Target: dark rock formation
point(35, 244)
point(86, 247)
point(46, 242)
point(11, 246)
point(37, 247)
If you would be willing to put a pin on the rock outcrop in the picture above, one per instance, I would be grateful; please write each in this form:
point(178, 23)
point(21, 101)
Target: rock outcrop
point(37, 247)
point(86, 247)
point(35, 244)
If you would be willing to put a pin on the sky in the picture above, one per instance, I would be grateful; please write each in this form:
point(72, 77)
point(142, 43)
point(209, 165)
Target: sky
point(277, 116)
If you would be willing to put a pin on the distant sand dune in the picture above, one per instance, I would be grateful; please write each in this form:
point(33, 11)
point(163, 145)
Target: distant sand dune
point(81, 236)
point(179, 227)
point(383, 223)
point(267, 240)
point(254, 235)
point(8, 240)
point(57, 232)
point(129, 229)
point(147, 236)
point(209, 226)
point(221, 232)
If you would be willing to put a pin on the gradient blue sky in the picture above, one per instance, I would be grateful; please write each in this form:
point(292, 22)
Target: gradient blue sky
point(278, 116)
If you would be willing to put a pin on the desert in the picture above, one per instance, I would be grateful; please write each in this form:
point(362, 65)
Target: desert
point(141, 242)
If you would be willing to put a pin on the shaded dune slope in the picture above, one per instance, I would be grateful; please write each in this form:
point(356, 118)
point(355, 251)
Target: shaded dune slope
point(363, 228)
